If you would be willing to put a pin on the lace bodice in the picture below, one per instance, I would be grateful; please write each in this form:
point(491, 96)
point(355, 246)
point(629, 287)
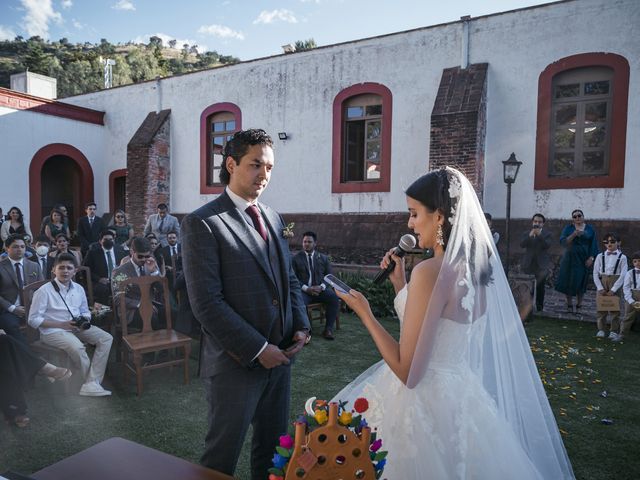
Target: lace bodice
point(451, 345)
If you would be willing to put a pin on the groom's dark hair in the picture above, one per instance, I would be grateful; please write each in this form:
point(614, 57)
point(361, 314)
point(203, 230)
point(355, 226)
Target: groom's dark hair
point(238, 146)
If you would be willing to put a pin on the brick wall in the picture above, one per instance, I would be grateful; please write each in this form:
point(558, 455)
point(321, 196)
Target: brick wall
point(149, 168)
point(458, 123)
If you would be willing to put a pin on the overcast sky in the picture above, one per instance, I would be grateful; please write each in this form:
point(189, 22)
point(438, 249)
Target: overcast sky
point(243, 28)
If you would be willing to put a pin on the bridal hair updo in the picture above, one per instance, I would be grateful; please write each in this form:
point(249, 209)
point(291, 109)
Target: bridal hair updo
point(432, 191)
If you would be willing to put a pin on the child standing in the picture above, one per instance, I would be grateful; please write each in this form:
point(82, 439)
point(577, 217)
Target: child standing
point(609, 271)
point(631, 288)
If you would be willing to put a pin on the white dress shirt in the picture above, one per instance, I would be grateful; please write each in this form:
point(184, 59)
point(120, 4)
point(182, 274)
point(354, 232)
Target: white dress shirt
point(627, 287)
point(609, 264)
point(47, 304)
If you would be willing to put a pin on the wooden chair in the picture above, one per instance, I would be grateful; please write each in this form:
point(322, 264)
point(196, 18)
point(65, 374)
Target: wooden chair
point(317, 311)
point(149, 340)
point(83, 277)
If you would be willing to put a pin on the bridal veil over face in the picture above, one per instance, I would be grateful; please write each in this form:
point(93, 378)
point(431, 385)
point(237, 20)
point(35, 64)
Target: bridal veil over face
point(472, 289)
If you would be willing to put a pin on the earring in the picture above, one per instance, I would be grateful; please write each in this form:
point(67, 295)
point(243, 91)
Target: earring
point(440, 236)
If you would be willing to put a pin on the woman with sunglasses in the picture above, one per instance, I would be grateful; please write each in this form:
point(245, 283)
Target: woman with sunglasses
point(124, 231)
point(581, 248)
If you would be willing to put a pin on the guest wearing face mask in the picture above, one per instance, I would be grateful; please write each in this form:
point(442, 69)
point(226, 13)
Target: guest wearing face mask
point(102, 261)
point(42, 257)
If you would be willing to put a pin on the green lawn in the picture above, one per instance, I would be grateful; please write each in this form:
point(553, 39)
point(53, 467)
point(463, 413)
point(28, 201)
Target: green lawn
point(172, 417)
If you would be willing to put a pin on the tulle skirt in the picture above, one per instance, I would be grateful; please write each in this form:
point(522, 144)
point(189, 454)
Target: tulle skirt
point(445, 428)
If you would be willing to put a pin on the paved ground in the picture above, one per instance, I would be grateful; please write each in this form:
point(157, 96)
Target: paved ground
point(555, 306)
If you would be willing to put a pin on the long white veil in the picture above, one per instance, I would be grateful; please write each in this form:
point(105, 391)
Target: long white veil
point(472, 289)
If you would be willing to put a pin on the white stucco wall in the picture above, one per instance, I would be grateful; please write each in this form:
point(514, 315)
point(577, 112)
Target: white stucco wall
point(295, 93)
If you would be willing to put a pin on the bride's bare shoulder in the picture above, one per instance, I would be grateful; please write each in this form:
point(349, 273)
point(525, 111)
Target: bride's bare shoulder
point(426, 271)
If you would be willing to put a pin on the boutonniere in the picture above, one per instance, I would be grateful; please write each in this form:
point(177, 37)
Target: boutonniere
point(33, 274)
point(287, 232)
point(121, 277)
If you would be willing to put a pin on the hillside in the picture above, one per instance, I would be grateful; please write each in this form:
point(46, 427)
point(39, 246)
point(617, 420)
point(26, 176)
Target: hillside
point(78, 69)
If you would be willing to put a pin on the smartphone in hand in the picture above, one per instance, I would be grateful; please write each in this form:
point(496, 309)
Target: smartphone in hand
point(336, 283)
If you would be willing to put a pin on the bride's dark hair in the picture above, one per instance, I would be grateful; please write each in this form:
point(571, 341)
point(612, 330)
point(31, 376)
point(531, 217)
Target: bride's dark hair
point(432, 190)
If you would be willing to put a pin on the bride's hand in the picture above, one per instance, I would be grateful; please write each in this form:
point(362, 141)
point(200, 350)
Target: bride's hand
point(356, 302)
point(397, 276)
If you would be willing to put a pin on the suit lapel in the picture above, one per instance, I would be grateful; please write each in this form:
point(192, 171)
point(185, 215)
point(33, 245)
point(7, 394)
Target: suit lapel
point(249, 237)
point(272, 221)
point(8, 266)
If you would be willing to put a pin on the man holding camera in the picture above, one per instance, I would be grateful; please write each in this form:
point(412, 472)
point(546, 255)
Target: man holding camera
point(59, 309)
point(536, 260)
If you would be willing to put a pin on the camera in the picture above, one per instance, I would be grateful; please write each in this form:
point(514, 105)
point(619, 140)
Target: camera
point(81, 322)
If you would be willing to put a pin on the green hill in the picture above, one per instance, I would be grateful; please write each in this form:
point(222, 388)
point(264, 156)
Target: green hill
point(78, 70)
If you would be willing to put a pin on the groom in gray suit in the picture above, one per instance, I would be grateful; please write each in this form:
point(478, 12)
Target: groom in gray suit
point(245, 295)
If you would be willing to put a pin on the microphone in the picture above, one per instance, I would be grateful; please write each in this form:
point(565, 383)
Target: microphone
point(407, 243)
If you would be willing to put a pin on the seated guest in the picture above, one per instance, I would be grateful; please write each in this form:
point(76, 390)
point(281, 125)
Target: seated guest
point(102, 262)
point(89, 227)
point(61, 245)
point(42, 257)
point(162, 223)
point(56, 225)
point(18, 366)
point(310, 266)
point(15, 224)
point(123, 230)
point(47, 218)
point(155, 249)
point(142, 262)
point(59, 309)
point(15, 273)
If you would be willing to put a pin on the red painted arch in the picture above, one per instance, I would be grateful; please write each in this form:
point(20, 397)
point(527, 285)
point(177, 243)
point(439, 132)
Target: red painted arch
point(617, 145)
point(84, 189)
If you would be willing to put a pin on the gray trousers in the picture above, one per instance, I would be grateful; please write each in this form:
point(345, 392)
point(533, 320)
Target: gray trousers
point(238, 398)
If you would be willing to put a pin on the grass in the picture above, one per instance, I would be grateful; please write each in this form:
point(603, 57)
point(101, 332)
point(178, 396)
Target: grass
point(171, 417)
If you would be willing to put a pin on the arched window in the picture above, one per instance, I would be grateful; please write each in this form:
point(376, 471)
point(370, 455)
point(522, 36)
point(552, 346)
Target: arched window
point(362, 139)
point(218, 123)
point(582, 116)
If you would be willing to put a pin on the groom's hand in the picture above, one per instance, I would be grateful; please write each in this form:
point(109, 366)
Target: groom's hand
point(272, 357)
point(299, 339)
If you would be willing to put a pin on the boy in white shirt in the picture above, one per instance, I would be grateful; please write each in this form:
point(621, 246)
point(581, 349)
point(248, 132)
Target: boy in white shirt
point(609, 271)
point(631, 289)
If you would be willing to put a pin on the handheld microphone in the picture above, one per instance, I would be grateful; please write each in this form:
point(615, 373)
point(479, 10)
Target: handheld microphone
point(406, 244)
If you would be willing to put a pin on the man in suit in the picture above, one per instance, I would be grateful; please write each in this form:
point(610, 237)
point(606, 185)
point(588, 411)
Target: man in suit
point(142, 263)
point(161, 223)
point(102, 262)
point(15, 273)
point(244, 293)
point(536, 260)
point(171, 254)
point(311, 266)
point(89, 227)
point(41, 257)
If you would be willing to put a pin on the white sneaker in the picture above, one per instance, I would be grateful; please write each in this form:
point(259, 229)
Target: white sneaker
point(93, 389)
point(612, 335)
point(600, 334)
point(618, 338)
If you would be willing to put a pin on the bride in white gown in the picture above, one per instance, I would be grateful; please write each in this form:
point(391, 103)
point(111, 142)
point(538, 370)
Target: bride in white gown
point(459, 396)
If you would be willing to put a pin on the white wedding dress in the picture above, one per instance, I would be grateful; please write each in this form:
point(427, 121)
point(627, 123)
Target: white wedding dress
point(446, 427)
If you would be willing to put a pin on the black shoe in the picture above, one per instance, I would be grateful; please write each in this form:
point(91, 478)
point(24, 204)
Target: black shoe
point(328, 334)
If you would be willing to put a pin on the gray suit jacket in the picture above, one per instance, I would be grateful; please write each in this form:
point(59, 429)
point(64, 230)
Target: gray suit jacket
point(536, 257)
point(233, 289)
point(9, 282)
point(170, 224)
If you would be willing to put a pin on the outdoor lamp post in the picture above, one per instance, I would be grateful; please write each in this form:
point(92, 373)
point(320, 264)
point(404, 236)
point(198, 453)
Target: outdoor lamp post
point(510, 173)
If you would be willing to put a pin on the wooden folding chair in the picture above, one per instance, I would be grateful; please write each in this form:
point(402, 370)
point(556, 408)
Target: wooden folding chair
point(149, 340)
point(317, 311)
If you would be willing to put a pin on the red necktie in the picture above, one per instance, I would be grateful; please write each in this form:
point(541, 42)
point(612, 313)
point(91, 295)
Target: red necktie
point(256, 218)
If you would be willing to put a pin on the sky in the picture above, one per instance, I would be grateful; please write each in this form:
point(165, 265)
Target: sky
point(246, 29)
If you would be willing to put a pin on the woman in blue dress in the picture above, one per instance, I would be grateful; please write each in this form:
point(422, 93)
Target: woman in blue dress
point(581, 248)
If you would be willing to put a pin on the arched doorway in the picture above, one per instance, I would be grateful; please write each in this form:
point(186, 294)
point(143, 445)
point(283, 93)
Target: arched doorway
point(59, 173)
point(118, 190)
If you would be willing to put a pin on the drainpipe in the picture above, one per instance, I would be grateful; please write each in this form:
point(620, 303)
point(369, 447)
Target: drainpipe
point(464, 59)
